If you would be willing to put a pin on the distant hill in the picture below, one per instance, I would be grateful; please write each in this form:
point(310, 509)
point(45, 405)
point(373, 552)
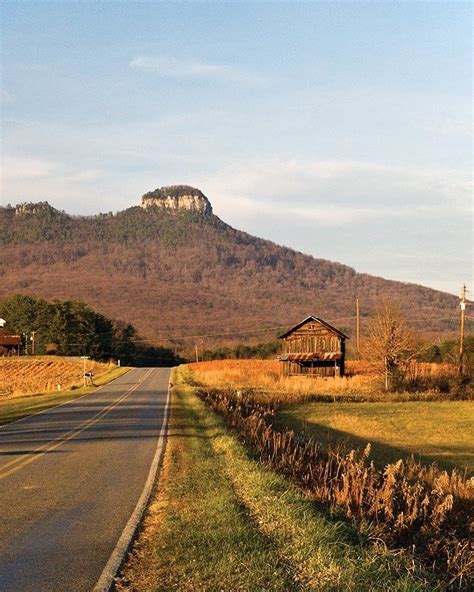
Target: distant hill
point(174, 269)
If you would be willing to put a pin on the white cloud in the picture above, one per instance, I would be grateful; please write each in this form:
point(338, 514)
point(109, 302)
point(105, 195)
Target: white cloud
point(20, 168)
point(30, 179)
point(450, 125)
point(172, 67)
point(339, 192)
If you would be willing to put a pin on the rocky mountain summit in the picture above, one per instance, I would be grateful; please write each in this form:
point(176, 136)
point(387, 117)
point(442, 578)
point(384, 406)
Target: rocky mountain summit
point(178, 197)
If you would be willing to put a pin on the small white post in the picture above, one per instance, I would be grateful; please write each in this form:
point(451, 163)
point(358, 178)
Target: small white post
point(84, 358)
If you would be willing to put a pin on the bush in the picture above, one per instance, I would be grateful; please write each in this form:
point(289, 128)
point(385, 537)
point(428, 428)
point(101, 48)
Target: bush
point(462, 389)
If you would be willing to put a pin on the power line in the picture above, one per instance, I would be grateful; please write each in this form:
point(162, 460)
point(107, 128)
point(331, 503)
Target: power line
point(144, 340)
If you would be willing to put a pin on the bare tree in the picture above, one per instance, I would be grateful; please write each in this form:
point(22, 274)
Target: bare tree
point(390, 342)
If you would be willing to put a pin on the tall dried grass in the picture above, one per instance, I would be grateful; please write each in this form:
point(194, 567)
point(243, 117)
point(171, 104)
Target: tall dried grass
point(427, 511)
point(362, 382)
point(265, 376)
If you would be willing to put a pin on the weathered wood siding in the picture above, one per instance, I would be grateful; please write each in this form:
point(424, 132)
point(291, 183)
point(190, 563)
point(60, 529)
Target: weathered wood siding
point(330, 369)
point(314, 338)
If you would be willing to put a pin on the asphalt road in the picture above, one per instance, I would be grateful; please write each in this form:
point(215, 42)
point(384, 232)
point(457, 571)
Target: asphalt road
point(71, 477)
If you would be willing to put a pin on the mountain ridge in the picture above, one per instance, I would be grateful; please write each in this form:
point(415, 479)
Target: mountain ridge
point(177, 273)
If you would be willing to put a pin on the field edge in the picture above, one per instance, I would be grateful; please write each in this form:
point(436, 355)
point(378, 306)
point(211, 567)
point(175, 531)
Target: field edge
point(19, 407)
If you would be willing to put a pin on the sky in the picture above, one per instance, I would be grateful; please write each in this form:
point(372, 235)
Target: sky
point(342, 130)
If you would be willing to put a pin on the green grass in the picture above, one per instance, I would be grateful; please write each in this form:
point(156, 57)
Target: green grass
point(221, 521)
point(19, 407)
point(438, 431)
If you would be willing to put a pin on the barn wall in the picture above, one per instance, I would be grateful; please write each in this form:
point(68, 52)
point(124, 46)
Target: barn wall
point(313, 338)
point(310, 340)
point(316, 369)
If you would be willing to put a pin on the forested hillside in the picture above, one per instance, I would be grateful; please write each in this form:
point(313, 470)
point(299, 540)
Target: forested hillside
point(181, 275)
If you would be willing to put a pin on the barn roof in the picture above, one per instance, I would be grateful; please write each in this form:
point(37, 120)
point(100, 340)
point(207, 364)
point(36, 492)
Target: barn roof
point(8, 338)
point(316, 357)
point(312, 318)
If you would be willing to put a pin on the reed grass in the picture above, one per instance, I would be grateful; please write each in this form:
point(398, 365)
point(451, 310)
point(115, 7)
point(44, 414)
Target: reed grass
point(265, 376)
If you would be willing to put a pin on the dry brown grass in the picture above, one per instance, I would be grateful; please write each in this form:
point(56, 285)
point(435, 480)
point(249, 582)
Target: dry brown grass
point(265, 375)
point(420, 370)
point(361, 379)
point(25, 376)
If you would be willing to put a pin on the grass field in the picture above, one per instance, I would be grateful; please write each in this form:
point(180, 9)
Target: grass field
point(397, 427)
point(441, 431)
point(220, 521)
point(16, 407)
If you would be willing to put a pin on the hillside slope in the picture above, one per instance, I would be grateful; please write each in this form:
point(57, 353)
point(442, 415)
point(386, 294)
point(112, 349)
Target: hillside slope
point(176, 272)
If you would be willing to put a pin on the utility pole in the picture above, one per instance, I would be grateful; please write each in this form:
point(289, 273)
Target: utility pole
point(197, 353)
point(357, 325)
point(461, 340)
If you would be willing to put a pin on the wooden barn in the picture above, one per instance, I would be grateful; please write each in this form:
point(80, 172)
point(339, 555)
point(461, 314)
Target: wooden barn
point(10, 344)
point(313, 348)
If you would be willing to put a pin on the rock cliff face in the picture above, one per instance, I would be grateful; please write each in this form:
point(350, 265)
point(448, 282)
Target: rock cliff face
point(24, 209)
point(178, 197)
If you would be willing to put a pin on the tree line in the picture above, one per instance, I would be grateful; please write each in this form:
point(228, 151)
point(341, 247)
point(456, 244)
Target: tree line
point(72, 328)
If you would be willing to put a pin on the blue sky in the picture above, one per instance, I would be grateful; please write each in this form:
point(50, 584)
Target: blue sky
point(343, 130)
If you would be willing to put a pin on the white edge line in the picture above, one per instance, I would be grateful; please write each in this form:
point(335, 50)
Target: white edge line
point(9, 423)
point(106, 579)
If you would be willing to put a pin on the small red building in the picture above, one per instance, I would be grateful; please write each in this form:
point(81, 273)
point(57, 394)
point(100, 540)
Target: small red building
point(313, 348)
point(10, 344)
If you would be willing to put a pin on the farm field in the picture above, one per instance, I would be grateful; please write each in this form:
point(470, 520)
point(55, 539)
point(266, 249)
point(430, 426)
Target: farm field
point(33, 383)
point(29, 375)
point(396, 427)
point(433, 431)
point(220, 520)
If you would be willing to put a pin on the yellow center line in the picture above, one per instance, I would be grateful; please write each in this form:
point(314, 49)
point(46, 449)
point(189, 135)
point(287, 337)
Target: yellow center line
point(45, 448)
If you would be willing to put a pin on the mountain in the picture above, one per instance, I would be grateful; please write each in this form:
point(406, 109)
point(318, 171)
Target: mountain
point(175, 270)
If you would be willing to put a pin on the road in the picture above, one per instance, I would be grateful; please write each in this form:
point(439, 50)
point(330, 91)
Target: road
point(71, 477)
